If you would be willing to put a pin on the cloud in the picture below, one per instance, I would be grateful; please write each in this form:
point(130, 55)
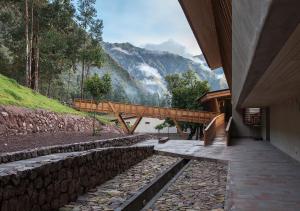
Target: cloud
point(141, 21)
point(170, 46)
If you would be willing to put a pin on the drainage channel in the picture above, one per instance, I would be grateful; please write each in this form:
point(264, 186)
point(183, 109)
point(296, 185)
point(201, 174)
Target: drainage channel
point(147, 196)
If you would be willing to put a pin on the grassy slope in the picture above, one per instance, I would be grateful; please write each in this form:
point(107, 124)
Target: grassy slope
point(11, 93)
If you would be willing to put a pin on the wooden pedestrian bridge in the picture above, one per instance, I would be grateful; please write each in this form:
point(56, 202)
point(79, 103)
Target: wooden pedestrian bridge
point(140, 111)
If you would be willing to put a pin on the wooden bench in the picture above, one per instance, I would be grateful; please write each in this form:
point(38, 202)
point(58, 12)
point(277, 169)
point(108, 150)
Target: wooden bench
point(163, 140)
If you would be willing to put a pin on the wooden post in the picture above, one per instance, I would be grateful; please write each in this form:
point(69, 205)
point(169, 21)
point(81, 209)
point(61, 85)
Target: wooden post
point(216, 105)
point(179, 130)
point(119, 118)
point(123, 123)
point(132, 129)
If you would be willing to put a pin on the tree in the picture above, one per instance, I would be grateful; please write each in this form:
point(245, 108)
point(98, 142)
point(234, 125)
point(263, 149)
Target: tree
point(42, 52)
point(91, 50)
point(98, 88)
point(60, 42)
point(42, 43)
point(37, 7)
point(184, 89)
point(28, 63)
point(118, 94)
point(159, 127)
point(93, 56)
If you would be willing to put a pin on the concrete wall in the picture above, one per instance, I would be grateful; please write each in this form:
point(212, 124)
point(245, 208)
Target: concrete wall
point(248, 18)
point(285, 128)
point(260, 30)
point(265, 129)
point(247, 21)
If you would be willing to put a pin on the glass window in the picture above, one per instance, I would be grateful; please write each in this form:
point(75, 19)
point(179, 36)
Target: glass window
point(252, 116)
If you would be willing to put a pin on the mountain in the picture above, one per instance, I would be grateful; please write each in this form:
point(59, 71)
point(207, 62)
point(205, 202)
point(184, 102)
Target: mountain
point(219, 71)
point(200, 59)
point(170, 46)
point(149, 67)
point(138, 74)
point(125, 87)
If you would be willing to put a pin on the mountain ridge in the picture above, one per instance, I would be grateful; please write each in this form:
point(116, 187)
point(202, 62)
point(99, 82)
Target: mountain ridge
point(170, 46)
point(149, 67)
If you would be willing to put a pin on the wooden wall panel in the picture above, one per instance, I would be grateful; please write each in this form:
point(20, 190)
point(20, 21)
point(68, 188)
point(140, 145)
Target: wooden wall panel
point(223, 19)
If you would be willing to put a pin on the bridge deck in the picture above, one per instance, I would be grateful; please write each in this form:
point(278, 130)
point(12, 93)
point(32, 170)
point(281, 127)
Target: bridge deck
point(145, 111)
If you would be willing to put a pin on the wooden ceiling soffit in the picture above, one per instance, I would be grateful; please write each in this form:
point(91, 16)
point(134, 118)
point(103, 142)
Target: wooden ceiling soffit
point(201, 18)
point(215, 95)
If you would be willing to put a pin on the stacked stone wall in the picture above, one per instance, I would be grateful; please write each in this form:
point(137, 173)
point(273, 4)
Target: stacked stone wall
point(22, 121)
point(49, 182)
point(114, 142)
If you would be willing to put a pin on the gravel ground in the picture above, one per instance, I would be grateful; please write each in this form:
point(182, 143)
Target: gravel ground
point(201, 186)
point(16, 143)
point(114, 192)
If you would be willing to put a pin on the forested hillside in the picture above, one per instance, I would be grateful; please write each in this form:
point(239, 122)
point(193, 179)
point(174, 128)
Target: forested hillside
point(53, 46)
point(43, 43)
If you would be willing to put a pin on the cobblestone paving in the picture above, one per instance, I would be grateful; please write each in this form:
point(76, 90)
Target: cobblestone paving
point(114, 192)
point(201, 186)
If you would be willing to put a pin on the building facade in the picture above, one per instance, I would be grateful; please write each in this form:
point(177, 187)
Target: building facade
point(257, 43)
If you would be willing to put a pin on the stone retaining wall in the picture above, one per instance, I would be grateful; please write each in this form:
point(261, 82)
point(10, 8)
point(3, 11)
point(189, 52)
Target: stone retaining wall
point(21, 121)
point(49, 182)
point(114, 142)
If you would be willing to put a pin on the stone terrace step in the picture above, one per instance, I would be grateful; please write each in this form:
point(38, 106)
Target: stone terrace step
point(114, 142)
point(116, 191)
point(49, 182)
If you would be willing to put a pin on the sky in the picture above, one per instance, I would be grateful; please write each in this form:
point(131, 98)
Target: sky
point(142, 22)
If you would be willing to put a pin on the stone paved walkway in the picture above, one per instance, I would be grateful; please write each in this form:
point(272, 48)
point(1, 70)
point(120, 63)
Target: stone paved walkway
point(260, 177)
point(201, 186)
point(114, 192)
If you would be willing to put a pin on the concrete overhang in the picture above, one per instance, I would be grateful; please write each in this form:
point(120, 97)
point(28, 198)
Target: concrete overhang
point(281, 81)
point(201, 18)
point(273, 74)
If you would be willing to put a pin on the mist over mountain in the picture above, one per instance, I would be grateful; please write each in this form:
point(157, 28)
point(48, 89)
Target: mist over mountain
point(170, 46)
point(149, 67)
point(125, 87)
point(138, 74)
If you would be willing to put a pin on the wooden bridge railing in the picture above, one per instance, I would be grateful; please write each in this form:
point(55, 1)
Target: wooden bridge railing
point(144, 111)
point(211, 130)
point(228, 131)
